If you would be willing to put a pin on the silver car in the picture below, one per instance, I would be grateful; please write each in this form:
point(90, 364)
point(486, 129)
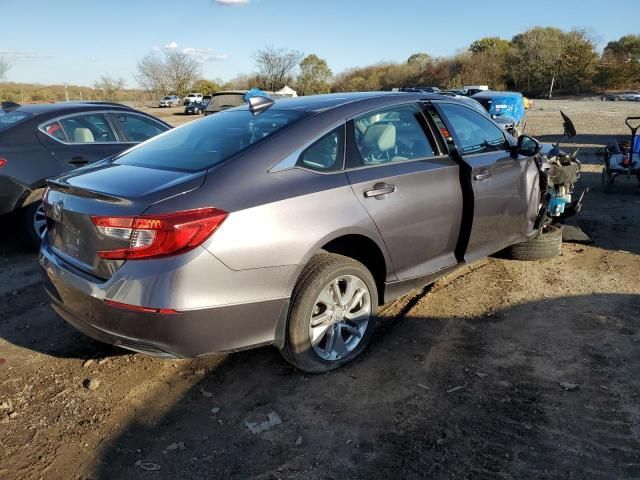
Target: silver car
point(283, 223)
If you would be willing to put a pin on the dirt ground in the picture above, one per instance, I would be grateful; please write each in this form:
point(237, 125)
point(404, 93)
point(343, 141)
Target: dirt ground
point(502, 370)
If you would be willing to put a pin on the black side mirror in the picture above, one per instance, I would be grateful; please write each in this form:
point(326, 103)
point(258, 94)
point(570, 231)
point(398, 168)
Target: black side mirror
point(526, 147)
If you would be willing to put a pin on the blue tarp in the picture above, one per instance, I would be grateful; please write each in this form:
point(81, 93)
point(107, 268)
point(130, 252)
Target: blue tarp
point(508, 106)
point(255, 92)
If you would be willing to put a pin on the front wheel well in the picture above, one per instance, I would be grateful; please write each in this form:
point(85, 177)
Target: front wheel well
point(365, 251)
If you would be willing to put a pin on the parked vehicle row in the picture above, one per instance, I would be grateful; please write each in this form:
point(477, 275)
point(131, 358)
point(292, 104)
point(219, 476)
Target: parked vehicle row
point(630, 96)
point(287, 223)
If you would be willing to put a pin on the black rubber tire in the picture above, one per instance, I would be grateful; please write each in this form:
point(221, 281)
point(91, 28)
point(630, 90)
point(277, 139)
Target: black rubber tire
point(31, 238)
point(316, 275)
point(547, 245)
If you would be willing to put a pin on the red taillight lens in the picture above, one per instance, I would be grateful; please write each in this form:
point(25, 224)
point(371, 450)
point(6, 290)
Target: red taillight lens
point(159, 235)
point(3, 162)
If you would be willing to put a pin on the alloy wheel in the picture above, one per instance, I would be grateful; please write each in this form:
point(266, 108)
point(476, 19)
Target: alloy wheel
point(340, 317)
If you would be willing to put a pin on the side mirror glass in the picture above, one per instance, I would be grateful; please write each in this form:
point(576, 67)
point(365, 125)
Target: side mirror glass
point(527, 146)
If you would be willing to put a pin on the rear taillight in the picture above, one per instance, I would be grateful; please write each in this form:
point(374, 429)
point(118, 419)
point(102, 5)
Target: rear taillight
point(159, 235)
point(3, 162)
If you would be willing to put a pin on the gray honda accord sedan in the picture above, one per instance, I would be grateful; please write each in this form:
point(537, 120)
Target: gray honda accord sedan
point(283, 223)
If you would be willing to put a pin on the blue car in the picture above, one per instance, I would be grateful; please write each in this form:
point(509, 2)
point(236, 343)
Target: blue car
point(504, 106)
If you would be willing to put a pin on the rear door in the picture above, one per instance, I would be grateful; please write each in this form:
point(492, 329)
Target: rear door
point(79, 139)
point(500, 183)
point(409, 187)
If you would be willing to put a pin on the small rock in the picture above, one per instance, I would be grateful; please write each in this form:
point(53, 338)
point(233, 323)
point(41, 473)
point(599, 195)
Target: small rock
point(200, 371)
point(215, 410)
point(13, 415)
point(298, 441)
point(205, 393)
point(568, 385)
point(259, 427)
point(481, 375)
point(87, 362)
point(177, 446)
point(348, 442)
point(150, 467)
point(505, 384)
point(91, 384)
point(102, 361)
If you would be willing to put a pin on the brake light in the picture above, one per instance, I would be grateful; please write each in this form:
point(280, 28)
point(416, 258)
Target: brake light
point(136, 308)
point(3, 162)
point(159, 235)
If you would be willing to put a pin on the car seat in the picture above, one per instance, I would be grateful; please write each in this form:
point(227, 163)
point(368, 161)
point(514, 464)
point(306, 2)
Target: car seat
point(83, 135)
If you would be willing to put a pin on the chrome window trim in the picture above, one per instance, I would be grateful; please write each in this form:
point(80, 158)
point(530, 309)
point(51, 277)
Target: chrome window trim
point(106, 113)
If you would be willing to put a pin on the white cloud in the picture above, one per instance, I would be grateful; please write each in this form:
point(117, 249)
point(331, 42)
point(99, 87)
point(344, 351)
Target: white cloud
point(203, 55)
point(171, 45)
point(18, 55)
point(232, 3)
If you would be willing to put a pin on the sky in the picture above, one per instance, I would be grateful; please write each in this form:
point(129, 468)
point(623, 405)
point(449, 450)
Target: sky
point(75, 42)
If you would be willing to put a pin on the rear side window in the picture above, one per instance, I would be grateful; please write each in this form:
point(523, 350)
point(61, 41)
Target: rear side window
point(137, 128)
point(207, 142)
point(8, 119)
point(326, 154)
point(88, 128)
point(475, 133)
point(392, 135)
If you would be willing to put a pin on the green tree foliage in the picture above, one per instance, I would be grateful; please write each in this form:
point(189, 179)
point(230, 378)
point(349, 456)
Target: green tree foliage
point(314, 77)
point(206, 87)
point(489, 44)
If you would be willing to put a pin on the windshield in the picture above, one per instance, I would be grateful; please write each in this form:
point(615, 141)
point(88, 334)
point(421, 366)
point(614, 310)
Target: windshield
point(202, 144)
point(8, 119)
point(227, 100)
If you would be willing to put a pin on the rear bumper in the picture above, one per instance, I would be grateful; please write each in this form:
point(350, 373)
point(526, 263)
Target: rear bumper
point(191, 333)
point(10, 194)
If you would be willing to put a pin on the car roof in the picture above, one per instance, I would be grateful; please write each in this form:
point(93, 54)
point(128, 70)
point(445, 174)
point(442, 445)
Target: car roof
point(495, 93)
point(319, 103)
point(38, 108)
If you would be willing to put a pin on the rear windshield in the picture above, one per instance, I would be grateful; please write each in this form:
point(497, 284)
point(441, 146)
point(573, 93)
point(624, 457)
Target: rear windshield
point(204, 143)
point(8, 119)
point(227, 100)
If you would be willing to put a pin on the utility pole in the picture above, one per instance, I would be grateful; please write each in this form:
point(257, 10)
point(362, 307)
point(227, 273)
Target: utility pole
point(66, 92)
point(553, 79)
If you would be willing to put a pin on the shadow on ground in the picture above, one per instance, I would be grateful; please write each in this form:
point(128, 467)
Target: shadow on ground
point(500, 396)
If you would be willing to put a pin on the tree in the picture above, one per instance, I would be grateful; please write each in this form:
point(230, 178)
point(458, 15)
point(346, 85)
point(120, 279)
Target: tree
point(314, 77)
point(206, 86)
point(489, 44)
point(276, 66)
point(420, 60)
point(175, 73)
point(110, 89)
point(4, 67)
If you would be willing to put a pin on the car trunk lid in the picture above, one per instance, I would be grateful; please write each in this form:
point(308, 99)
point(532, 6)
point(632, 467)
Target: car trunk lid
point(105, 190)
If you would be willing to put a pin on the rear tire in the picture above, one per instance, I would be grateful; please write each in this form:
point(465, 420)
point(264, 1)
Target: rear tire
point(314, 297)
point(547, 245)
point(33, 224)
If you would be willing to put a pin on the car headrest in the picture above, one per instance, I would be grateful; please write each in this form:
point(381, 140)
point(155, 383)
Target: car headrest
point(83, 135)
point(381, 137)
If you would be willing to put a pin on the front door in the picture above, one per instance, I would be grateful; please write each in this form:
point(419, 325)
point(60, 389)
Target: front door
point(499, 182)
point(409, 188)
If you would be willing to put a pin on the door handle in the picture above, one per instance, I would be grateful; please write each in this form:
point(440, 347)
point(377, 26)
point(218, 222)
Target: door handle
point(380, 190)
point(78, 160)
point(482, 176)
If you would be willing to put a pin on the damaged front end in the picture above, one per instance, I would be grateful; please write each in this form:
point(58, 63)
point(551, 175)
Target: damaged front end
point(559, 173)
